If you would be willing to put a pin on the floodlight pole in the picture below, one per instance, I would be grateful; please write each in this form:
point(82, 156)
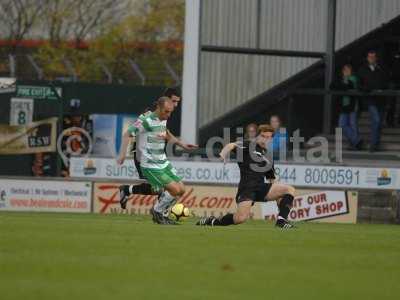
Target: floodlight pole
point(191, 62)
point(329, 64)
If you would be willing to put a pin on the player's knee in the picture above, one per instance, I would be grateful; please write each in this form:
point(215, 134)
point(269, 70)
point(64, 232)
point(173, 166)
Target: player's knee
point(177, 190)
point(290, 190)
point(174, 191)
point(182, 190)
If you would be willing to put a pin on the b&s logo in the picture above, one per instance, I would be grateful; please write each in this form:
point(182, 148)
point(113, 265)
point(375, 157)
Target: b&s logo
point(384, 178)
point(2, 198)
point(40, 136)
point(89, 168)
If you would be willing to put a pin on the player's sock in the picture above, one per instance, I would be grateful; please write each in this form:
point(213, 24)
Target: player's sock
point(226, 220)
point(141, 189)
point(285, 206)
point(123, 195)
point(165, 201)
point(125, 188)
point(213, 221)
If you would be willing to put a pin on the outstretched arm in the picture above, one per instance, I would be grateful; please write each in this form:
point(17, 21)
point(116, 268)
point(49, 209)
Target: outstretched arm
point(126, 139)
point(174, 140)
point(226, 150)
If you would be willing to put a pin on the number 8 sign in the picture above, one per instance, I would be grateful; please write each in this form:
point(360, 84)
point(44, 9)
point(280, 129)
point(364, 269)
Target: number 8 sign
point(21, 111)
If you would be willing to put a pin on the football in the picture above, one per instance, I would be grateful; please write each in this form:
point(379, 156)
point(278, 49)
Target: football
point(179, 212)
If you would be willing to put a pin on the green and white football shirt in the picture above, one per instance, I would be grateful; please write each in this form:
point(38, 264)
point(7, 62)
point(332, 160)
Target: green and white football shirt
point(147, 129)
point(138, 140)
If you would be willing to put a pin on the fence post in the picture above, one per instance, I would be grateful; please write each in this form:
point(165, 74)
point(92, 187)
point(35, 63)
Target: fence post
point(70, 69)
point(137, 71)
point(172, 72)
point(106, 71)
point(38, 70)
point(12, 62)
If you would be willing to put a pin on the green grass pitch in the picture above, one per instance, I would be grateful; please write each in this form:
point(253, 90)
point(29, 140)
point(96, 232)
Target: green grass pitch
point(72, 256)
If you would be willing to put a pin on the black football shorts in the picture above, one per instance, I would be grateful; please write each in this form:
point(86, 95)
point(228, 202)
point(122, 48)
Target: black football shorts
point(255, 193)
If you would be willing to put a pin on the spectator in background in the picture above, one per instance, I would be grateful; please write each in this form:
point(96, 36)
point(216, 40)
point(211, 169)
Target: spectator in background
point(42, 165)
point(348, 107)
point(280, 138)
point(251, 131)
point(373, 77)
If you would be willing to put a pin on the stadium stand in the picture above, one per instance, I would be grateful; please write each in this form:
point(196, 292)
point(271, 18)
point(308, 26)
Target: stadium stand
point(292, 94)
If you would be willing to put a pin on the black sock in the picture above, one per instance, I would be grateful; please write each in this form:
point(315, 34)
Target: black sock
point(142, 189)
point(225, 220)
point(126, 189)
point(285, 205)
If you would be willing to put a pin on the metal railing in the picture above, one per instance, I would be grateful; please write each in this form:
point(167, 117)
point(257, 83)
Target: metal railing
point(322, 92)
point(141, 71)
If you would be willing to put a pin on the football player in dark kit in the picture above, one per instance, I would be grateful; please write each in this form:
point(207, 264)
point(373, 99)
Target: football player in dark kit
point(255, 166)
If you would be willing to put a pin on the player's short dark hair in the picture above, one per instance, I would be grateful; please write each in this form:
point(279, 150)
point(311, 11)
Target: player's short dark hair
point(172, 91)
point(372, 51)
point(265, 128)
point(161, 101)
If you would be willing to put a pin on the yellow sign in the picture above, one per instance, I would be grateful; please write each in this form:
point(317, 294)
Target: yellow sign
point(31, 138)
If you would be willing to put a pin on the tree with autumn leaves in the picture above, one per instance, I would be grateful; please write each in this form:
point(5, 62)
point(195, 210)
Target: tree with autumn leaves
point(96, 38)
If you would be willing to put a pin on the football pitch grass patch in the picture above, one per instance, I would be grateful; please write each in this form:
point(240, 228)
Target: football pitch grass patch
point(71, 256)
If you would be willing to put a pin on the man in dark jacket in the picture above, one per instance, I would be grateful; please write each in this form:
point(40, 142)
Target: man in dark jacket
point(348, 107)
point(373, 77)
